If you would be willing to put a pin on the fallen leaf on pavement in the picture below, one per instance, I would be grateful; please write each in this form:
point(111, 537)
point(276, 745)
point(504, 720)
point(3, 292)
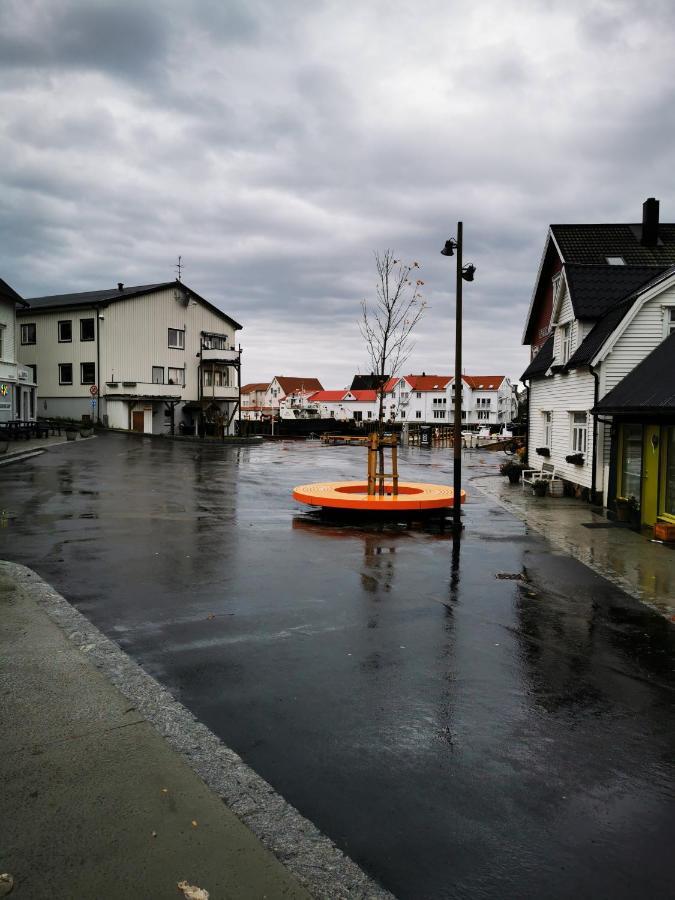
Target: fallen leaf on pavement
point(192, 892)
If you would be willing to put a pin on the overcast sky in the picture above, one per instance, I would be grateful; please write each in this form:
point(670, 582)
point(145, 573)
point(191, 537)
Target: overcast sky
point(277, 145)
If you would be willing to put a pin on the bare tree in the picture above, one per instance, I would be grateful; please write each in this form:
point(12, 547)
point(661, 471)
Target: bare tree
point(387, 323)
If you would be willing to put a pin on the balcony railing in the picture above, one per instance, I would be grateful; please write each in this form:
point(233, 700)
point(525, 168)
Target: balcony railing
point(141, 389)
point(220, 392)
point(220, 355)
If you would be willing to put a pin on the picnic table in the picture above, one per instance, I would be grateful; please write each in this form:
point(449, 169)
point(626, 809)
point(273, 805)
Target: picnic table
point(28, 428)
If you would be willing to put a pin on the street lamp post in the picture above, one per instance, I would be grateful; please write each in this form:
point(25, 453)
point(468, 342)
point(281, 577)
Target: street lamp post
point(464, 273)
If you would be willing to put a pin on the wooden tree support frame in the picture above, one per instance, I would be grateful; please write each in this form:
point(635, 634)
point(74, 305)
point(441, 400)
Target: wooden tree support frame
point(377, 476)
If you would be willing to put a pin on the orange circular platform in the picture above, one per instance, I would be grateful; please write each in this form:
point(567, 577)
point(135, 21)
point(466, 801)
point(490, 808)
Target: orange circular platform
point(354, 495)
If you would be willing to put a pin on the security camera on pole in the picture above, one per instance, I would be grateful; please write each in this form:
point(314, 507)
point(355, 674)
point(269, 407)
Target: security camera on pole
point(465, 273)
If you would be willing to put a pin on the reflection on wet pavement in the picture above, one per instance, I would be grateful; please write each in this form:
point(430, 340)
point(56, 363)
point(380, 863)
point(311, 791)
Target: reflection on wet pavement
point(456, 733)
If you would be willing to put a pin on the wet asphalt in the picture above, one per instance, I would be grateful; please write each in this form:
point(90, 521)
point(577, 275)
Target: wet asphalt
point(457, 733)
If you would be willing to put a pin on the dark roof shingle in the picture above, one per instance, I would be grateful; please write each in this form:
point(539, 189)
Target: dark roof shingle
point(592, 244)
point(594, 289)
point(649, 387)
point(541, 362)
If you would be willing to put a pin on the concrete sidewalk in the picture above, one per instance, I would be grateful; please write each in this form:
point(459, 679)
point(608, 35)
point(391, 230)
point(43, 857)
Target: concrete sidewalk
point(95, 801)
point(642, 568)
point(18, 450)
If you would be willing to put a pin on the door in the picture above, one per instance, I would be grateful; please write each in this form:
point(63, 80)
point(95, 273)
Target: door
point(138, 421)
point(650, 485)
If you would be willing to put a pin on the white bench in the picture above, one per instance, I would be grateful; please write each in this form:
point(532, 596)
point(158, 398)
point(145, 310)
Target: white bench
point(546, 473)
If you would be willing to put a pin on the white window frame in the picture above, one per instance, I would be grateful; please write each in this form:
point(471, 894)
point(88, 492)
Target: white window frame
point(668, 320)
point(61, 381)
point(578, 432)
point(27, 325)
point(82, 365)
point(565, 342)
point(2, 335)
point(65, 340)
point(180, 383)
point(548, 428)
point(179, 341)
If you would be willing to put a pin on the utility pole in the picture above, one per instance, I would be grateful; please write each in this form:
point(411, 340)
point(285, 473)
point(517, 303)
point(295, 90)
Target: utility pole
point(464, 273)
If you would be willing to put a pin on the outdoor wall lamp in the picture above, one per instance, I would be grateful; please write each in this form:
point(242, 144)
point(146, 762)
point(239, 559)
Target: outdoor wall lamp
point(466, 273)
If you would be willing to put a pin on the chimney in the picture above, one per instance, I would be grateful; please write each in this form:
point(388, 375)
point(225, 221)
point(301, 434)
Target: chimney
point(120, 286)
point(650, 222)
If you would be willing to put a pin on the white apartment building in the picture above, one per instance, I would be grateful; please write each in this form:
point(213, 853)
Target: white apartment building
point(17, 382)
point(359, 406)
point(487, 400)
point(153, 358)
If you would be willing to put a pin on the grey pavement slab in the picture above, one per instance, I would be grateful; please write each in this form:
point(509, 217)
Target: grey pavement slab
point(642, 568)
point(95, 803)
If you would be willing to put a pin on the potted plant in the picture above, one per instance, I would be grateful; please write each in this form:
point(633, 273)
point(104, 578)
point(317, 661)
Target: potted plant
point(512, 471)
point(86, 431)
point(575, 459)
point(626, 508)
point(540, 487)
point(71, 431)
point(543, 451)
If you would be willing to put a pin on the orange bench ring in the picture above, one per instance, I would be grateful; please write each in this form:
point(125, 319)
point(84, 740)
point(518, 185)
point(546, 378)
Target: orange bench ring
point(354, 495)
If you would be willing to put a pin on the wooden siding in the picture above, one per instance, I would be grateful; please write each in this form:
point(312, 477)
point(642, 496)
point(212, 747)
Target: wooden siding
point(47, 352)
point(561, 395)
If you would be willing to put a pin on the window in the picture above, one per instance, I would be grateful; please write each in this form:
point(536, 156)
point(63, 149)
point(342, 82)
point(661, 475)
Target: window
point(214, 378)
point(418, 414)
point(65, 331)
point(403, 414)
point(211, 341)
point(670, 320)
point(631, 461)
point(579, 432)
point(405, 395)
point(177, 376)
point(669, 499)
point(483, 414)
point(158, 374)
point(418, 394)
point(547, 430)
point(370, 415)
point(28, 334)
point(566, 342)
point(65, 373)
point(358, 415)
point(88, 373)
point(33, 368)
point(2, 333)
point(439, 414)
point(86, 329)
point(176, 339)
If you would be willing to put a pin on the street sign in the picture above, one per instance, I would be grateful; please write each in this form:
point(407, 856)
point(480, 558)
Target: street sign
point(93, 390)
point(93, 402)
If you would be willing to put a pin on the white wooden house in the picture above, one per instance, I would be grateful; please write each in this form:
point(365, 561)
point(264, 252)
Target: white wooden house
point(287, 386)
point(346, 405)
point(18, 391)
point(605, 318)
point(153, 358)
point(253, 401)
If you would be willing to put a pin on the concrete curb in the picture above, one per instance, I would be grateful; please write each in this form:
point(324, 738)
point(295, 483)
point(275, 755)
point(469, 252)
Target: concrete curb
point(311, 856)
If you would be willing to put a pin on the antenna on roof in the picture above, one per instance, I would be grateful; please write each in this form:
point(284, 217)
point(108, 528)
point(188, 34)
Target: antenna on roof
point(179, 267)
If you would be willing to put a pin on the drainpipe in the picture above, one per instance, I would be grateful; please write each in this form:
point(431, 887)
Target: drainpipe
point(98, 365)
point(594, 461)
point(527, 414)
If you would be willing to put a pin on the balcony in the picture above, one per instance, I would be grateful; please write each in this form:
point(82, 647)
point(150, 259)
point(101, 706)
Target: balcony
point(220, 392)
point(142, 389)
point(220, 355)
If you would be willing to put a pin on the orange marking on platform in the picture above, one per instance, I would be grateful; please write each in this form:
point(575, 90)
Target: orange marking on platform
point(354, 495)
